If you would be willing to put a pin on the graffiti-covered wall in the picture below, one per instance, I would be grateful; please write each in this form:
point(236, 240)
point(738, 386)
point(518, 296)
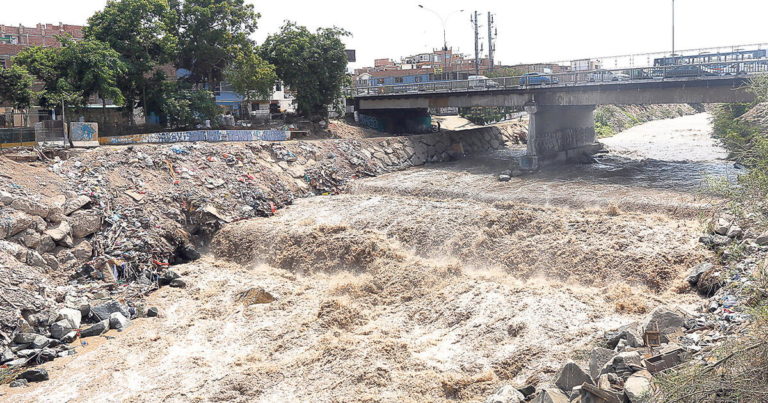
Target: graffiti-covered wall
point(199, 135)
point(84, 134)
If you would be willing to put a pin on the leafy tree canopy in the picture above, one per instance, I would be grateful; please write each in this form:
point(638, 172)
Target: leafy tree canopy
point(16, 87)
point(187, 108)
point(211, 34)
point(142, 32)
point(251, 76)
point(92, 67)
point(312, 64)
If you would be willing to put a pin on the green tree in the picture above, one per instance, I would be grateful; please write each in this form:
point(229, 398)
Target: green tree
point(504, 72)
point(187, 108)
point(142, 32)
point(251, 76)
point(312, 64)
point(45, 65)
point(16, 87)
point(211, 34)
point(92, 67)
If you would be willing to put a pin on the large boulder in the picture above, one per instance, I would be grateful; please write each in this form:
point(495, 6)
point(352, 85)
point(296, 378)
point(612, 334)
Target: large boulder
point(73, 316)
point(75, 204)
point(29, 238)
point(623, 364)
point(762, 239)
point(60, 232)
point(506, 394)
point(34, 375)
point(550, 395)
point(61, 328)
point(96, 330)
point(103, 311)
point(82, 250)
point(598, 357)
point(12, 222)
point(666, 320)
point(30, 207)
point(721, 226)
point(638, 387)
point(118, 322)
point(84, 223)
point(570, 376)
point(695, 274)
point(626, 332)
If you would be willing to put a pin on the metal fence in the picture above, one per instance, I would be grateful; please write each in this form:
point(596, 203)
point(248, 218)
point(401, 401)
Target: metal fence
point(16, 137)
point(718, 70)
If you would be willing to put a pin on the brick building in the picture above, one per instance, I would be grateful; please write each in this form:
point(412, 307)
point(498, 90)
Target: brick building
point(13, 39)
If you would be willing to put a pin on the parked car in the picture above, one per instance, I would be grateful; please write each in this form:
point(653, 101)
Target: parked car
point(639, 74)
point(621, 77)
point(600, 76)
point(537, 79)
point(481, 82)
point(686, 71)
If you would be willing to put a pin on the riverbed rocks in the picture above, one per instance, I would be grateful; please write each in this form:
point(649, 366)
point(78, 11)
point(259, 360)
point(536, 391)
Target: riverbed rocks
point(118, 322)
point(570, 376)
point(550, 395)
point(638, 387)
point(96, 329)
point(506, 394)
point(664, 320)
point(34, 375)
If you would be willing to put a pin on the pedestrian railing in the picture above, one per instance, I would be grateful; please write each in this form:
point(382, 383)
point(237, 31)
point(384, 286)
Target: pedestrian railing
point(708, 71)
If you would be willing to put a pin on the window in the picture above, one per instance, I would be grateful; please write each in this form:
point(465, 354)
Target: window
point(380, 81)
point(398, 80)
point(418, 79)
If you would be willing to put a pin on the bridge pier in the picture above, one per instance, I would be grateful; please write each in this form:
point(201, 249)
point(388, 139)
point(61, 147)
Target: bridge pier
point(559, 133)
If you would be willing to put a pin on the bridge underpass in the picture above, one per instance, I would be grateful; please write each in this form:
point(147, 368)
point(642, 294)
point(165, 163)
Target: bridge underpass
point(562, 124)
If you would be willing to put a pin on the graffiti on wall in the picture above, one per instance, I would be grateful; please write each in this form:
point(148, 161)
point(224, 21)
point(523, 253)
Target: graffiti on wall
point(84, 134)
point(371, 122)
point(199, 135)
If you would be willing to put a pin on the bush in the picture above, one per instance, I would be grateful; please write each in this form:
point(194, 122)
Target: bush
point(484, 115)
point(737, 370)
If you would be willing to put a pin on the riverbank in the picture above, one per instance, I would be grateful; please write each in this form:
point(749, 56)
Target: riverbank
point(430, 283)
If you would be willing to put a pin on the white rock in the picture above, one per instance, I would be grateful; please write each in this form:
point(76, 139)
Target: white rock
point(506, 394)
point(73, 316)
point(638, 387)
point(117, 321)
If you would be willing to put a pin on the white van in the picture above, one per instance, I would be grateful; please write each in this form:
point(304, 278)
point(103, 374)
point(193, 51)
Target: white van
point(481, 82)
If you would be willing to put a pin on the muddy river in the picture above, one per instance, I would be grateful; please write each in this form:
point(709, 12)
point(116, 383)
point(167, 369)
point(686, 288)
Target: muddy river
point(436, 283)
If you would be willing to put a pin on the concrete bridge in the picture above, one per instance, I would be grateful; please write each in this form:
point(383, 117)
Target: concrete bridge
point(561, 106)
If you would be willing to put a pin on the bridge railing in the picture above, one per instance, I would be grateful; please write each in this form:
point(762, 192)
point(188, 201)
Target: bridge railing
point(575, 78)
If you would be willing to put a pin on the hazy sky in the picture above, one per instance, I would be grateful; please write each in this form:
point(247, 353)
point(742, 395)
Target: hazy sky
point(528, 31)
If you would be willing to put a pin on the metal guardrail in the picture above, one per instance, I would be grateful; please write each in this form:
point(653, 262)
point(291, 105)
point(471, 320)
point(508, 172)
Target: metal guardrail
point(574, 78)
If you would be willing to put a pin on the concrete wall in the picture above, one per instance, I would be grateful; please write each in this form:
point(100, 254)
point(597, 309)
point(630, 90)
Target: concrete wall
point(555, 129)
point(199, 135)
point(84, 134)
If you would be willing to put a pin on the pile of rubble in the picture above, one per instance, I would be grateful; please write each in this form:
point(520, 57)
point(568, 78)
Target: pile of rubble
point(622, 367)
point(99, 226)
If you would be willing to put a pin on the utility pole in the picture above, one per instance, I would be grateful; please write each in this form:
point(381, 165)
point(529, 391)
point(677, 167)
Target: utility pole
point(476, 23)
point(491, 46)
point(673, 29)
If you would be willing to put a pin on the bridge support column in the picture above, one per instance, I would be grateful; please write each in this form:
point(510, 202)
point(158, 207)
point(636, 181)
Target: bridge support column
point(559, 133)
